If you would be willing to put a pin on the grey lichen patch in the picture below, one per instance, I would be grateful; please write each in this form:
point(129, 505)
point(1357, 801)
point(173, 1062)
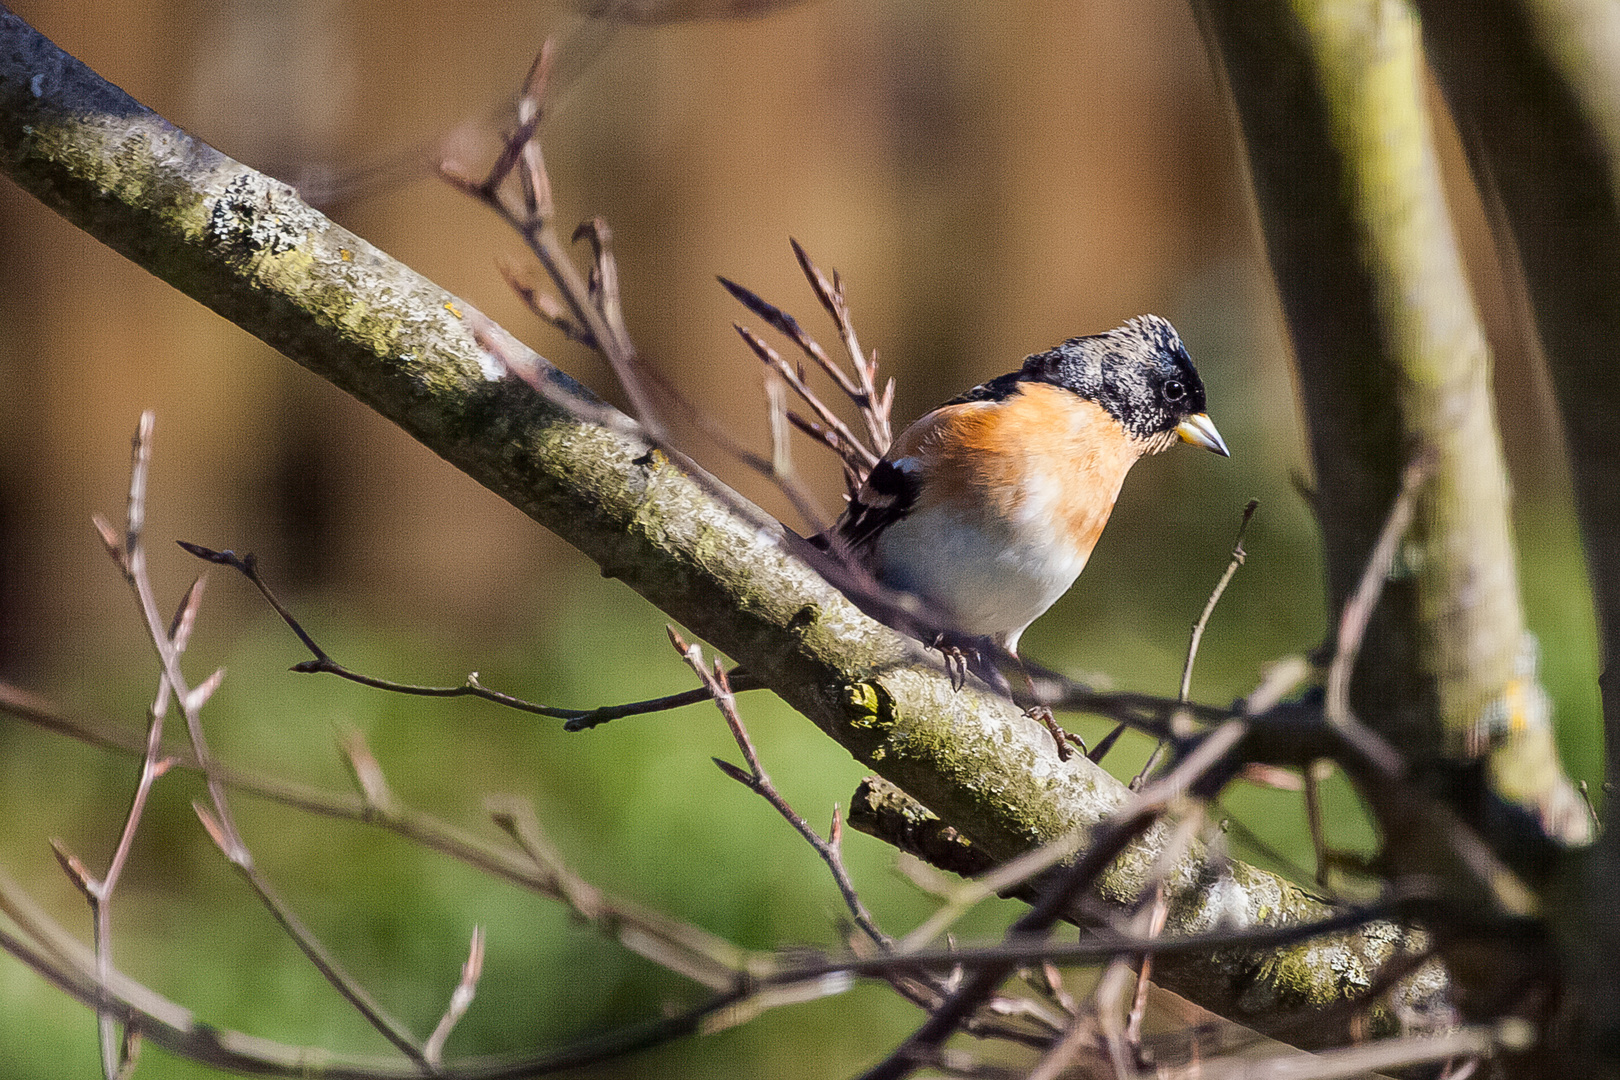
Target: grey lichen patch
point(562, 463)
point(841, 636)
point(255, 215)
point(273, 241)
point(1130, 874)
point(1315, 973)
point(1325, 971)
point(1235, 896)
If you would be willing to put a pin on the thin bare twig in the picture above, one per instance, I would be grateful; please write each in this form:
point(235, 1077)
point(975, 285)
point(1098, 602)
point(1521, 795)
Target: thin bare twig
point(1358, 610)
point(133, 564)
point(874, 409)
point(777, 413)
point(1004, 878)
point(591, 309)
point(1238, 557)
point(593, 314)
point(312, 948)
point(1106, 743)
point(720, 962)
point(1147, 766)
point(1253, 840)
point(1111, 1016)
point(59, 959)
point(783, 969)
point(1121, 1030)
point(707, 959)
point(755, 779)
point(789, 327)
point(128, 552)
point(799, 969)
point(169, 640)
point(848, 445)
point(680, 947)
point(1374, 1057)
point(1079, 1034)
point(460, 999)
point(592, 300)
point(1314, 823)
point(1144, 972)
point(858, 455)
point(322, 663)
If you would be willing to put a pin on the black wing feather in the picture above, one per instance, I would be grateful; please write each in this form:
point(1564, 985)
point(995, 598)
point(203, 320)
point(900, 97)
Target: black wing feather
point(887, 496)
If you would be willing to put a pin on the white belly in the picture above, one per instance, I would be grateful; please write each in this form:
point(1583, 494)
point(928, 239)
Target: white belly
point(993, 583)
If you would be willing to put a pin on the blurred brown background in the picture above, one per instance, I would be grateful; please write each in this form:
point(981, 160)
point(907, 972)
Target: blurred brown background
point(989, 181)
point(988, 178)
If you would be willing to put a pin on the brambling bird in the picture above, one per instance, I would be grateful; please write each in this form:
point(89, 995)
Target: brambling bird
point(987, 508)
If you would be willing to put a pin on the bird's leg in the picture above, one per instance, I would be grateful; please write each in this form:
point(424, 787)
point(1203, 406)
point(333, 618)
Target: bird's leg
point(974, 654)
point(1043, 713)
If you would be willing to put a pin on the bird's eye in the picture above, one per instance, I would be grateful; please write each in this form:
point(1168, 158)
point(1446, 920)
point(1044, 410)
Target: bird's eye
point(1174, 390)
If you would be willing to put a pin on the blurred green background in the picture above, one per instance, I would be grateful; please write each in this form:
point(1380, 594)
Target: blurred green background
point(989, 179)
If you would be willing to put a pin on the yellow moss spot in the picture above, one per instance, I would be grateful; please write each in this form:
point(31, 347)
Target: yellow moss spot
point(452, 309)
point(861, 704)
point(345, 255)
point(1517, 696)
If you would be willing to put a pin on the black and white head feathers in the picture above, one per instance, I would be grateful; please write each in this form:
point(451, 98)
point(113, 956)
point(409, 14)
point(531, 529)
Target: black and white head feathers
point(1140, 373)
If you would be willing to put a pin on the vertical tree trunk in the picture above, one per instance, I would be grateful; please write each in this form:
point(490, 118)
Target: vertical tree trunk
point(1392, 362)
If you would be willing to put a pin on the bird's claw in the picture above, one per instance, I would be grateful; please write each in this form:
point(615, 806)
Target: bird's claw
point(958, 660)
point(1043, 714)
point(957, 664)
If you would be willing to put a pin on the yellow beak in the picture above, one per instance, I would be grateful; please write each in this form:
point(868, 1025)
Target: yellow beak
point(1199, 430)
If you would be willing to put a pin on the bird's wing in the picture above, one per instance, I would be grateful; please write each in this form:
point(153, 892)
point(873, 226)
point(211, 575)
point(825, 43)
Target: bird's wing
point(892, 489)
